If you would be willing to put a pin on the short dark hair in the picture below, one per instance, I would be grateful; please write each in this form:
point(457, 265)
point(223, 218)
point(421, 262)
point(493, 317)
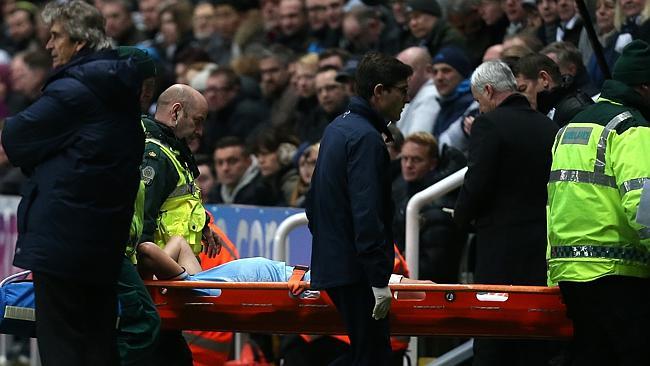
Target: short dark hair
point(37, 58)
point(231, 76)
point(530, 66)
point(269, 138)
point(377, 68)
point(338, 52)
point(566, 54)
point(278, 52)
point(231, 141)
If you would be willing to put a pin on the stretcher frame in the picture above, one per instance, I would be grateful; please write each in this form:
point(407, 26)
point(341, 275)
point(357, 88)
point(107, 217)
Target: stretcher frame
point(445, 310)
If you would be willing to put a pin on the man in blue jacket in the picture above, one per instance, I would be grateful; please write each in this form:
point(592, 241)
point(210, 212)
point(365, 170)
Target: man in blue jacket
point(350, 209)
point(80, 144)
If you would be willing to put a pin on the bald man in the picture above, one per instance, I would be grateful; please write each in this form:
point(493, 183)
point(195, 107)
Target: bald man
point(172, 198)
point(423, 108)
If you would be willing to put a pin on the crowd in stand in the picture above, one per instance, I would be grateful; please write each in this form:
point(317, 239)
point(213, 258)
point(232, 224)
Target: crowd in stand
point(276, 72)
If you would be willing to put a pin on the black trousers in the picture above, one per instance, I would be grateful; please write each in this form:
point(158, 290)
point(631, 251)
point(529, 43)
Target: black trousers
point(369, 338)
point(611, 321)
point(75, 322)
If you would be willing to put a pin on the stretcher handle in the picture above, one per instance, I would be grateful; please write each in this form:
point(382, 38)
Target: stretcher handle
point(395, 287)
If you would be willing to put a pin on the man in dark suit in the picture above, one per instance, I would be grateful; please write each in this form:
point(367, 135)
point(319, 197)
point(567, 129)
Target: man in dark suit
point(504, 196)
point(350, 209)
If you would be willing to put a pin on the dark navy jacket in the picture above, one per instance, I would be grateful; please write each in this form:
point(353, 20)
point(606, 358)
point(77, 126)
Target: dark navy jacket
point(349, 204)
point(81, 145)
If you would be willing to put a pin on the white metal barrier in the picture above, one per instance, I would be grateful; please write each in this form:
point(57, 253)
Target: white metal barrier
point(413, 207)
point(280, 243)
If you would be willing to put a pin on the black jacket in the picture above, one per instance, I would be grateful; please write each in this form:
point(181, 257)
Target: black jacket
point(504, 193)
point(349, 204)
point(80, 144)
point(567, 100)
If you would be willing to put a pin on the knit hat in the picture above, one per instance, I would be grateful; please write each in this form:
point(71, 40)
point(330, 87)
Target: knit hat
point(454, 57)
point(430, 7)
point(631, 68)
point(145, 64)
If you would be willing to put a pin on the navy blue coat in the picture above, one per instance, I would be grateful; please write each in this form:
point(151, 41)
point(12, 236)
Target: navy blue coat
point(81, 145)
point(349, 204)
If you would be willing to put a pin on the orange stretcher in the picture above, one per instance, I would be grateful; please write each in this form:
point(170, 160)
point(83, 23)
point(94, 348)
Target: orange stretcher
point(441, 310)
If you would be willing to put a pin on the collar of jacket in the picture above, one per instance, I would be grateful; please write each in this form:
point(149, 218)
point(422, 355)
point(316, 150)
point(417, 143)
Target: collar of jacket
point(83, 56)
point(157, 130)
point(618, 92)
point(515, 100)
point(362, 107)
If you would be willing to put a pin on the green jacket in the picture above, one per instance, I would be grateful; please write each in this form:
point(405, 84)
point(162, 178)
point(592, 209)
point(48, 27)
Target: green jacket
point(600, 165)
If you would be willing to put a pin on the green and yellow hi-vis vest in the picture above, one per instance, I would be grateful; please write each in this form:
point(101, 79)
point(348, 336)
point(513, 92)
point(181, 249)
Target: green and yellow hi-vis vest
point(596, 184)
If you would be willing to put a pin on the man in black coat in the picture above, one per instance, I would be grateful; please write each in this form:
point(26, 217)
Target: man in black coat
point(80, 145)
point(504, 196)
point(350, 209)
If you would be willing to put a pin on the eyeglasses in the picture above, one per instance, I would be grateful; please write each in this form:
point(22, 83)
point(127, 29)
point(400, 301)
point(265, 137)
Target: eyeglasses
point(402, 89)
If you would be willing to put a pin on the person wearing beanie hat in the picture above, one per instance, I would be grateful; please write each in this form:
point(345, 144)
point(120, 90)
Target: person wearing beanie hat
point(596, 255)
point(631, 68)
point(451, 68)
point(428, 27)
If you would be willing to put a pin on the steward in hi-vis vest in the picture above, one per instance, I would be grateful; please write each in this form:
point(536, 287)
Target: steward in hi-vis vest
point(599, 218)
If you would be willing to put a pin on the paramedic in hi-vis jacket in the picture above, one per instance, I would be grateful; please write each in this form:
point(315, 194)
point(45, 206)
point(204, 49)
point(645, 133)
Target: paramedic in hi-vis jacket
point(599, 218)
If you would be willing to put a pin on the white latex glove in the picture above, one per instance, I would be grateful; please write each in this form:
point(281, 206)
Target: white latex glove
point(382, 302)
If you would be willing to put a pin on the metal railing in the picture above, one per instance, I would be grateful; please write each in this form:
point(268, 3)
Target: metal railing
point(413, 208)
point(280, 243)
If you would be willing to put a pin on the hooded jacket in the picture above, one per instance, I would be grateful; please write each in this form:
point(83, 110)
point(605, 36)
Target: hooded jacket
point(80, 144)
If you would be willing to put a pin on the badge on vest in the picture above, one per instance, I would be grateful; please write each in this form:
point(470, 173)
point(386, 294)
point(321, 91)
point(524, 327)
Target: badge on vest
point(147, 175)
point(577, 135)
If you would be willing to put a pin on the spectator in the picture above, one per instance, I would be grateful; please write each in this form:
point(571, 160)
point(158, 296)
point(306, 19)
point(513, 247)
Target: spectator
point(398, 9)
point(230, 112)
point(21, 28)
point(508, 210)
point(516, 14)
point(569, 59)
point(303, 83)
point(280, 97)
point(29, 70)
point(175, 28)
point(495, 20)
point(229, 17)
point(451, 68)
point(238, 176)
point(274, 154)
point(294, 31)
point(464, 16)
point(551, 21)
point(441, 241)
point(607, 35)
point(306, 163)
point(570, 22)
point(332, 101)
point(317, 19)
point(205, 180)
point(631, 19)
point(334, 15)
point(422, 110)
point(539, 79)
point(334, 57)
point(119, 23)
point(428, 28)
point(364, 30)
point(150, 18)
